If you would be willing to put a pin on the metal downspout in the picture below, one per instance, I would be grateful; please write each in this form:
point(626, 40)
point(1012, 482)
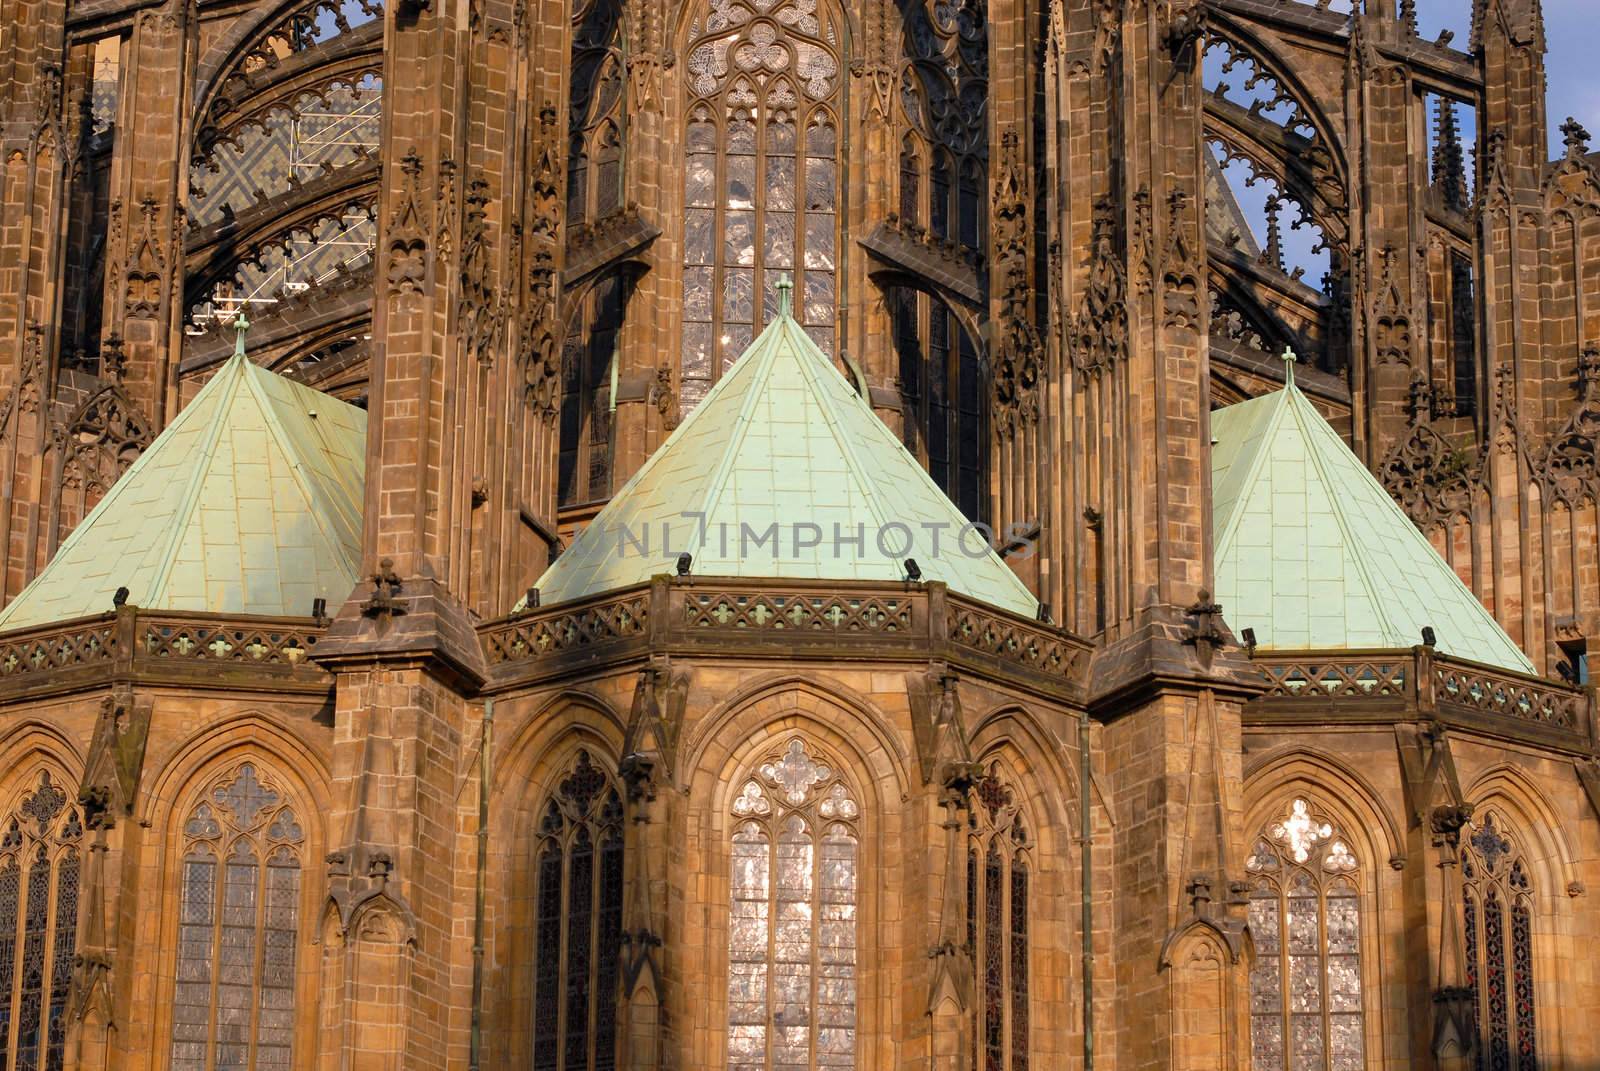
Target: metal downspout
point(1086, 852)
point(474, 1060)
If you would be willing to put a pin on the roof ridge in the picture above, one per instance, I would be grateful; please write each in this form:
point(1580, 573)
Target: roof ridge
point(1423, 544)
point(763, 362)
point(1258, 456)
point(184, 515)
point(805, 345)
point(1352, 544)
point(322, 509)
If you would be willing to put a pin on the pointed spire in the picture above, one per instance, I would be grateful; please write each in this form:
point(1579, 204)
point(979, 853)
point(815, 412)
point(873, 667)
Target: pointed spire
point(240, 325)
point(1408, 16)
point(1449, 165)
point(1576, 138)
point(1272, 252)
point(785, 287)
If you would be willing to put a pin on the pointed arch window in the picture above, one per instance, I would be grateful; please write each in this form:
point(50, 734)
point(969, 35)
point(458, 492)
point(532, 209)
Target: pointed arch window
point(761, 183)
point(1305, 918)
point(792, 925)
point(578, 929)
point(1497, 925)
point(39, 864)
point(998, 902)
point(243, 850)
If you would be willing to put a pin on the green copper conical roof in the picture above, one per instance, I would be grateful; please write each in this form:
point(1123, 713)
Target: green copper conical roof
point(1313, 554)
point(782, 443)
point(248, 503)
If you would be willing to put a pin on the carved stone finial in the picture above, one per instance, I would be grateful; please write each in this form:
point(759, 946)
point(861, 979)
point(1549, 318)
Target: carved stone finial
point(1419, 399)
point(113, 357)
point(1575, 137)
point(1588, 373)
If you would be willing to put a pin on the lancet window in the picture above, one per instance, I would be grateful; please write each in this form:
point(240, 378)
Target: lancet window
point(1497, 926)
point(761, 182)
point(39, 864)
point(243, 849)
point(578, 925)
point(998, 902)
point(792, 931)
point(1305, 917)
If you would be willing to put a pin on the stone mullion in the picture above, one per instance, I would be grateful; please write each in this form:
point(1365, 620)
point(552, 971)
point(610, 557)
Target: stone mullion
point(491, 153)
point(876, 126)
point(33, 200)
point(647, 346)
point(1388, 265)
point(411, 509)
point(144, 263)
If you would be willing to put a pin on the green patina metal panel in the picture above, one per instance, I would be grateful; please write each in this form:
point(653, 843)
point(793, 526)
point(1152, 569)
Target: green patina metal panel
point(1313, 554)
point(248, 503)
point(782, 439)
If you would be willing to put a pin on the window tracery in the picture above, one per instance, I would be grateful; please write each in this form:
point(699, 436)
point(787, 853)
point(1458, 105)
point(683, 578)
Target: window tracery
point(238, 926)
point(1497, 924)
point(1305, 917)
point(792, 926)
point(594, 112)
point(38, 925)
point(287, 153)
point(578, 928)
point(761, 181)
point(998, 892)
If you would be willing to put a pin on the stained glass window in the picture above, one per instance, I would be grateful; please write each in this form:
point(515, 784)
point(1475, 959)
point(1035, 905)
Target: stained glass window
point(1497, 923)
point(761, 185)
point(792, 924)
point(1305, 918)
point(997, 924)
point(944, 181)
point(38, 925)
point(578, 923)
point(238, 926)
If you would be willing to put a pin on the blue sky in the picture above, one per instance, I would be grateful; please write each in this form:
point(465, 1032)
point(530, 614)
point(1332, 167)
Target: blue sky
point(1571, 30)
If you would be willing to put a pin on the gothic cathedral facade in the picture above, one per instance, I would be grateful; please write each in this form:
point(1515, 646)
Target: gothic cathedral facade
point(332, 332)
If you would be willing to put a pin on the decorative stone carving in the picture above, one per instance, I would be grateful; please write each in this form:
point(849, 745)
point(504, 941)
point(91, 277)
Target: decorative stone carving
point(1100, 335)
point(482, 308)
point(1430, 478)
point(1180, 268)
point(147, 262)
point(408, 241)
point(1390, 317)
point(1017, 348)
